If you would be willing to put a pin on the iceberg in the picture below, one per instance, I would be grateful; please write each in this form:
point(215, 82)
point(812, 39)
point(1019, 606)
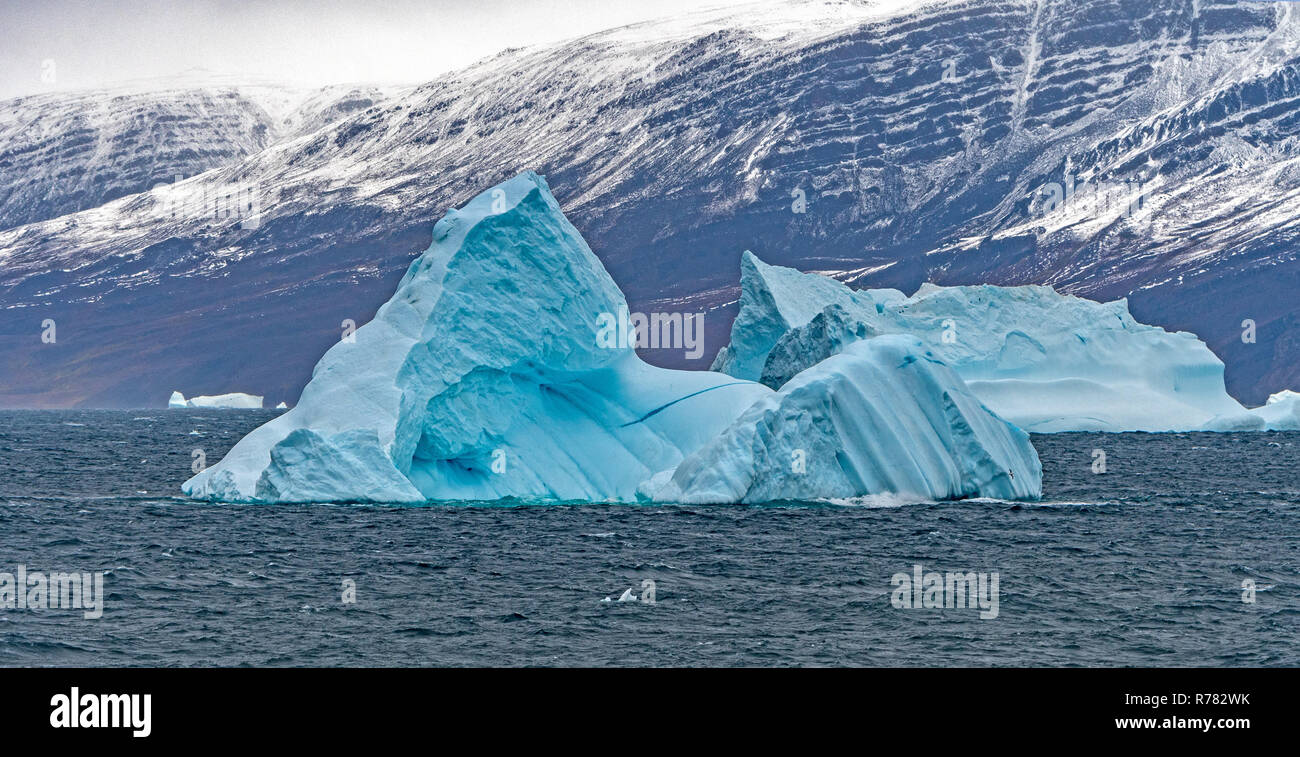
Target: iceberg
point(884, 416)
point(1045, 361)
point(234, 400)
point(1280, 413)
point(503, 366)
point(488, 374)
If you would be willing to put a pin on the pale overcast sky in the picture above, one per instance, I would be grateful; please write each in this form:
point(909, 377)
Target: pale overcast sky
point(88, 43)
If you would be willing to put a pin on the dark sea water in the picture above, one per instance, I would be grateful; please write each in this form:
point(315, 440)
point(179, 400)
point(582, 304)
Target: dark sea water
point(1141, 565)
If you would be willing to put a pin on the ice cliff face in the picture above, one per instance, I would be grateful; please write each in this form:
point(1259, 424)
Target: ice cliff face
point(495, 371)
point(1044, 361)
point(883, 416)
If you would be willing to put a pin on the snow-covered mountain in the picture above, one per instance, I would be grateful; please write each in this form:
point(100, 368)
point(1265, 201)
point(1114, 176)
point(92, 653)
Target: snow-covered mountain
point(1141, 149)
point(63, 153)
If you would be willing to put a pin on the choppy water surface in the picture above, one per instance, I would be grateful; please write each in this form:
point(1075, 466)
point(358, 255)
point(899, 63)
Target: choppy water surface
point(1141, 565)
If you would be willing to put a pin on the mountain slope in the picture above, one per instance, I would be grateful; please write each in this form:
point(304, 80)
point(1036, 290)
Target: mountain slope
point(60, 154)
point(925, 139)
point(63, 153)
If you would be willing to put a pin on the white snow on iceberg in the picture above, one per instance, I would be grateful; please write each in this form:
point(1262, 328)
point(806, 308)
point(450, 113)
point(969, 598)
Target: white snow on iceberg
point(235, 400)
point(884, 416)
point(1047, 362)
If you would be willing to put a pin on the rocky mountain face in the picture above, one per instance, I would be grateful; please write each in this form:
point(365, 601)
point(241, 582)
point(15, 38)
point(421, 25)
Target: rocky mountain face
point(64, 153)
point(1107, 148)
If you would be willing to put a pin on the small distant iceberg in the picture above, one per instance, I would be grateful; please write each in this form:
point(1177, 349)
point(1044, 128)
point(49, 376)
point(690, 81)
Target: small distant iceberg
point(233, 400)
point(626, 596)
point(281, 406)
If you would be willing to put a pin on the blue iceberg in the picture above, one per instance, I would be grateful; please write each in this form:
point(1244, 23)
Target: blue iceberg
point(1044, 361)
point(1280, 413)
point(883, 416)
point(502, 367)
point(485, 376)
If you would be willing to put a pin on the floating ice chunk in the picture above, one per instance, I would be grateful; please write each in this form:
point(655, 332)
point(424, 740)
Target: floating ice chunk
point(883, 417)
point(233, 400)
point(1045, 361)
point(1281, 412)
point(484, 377)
